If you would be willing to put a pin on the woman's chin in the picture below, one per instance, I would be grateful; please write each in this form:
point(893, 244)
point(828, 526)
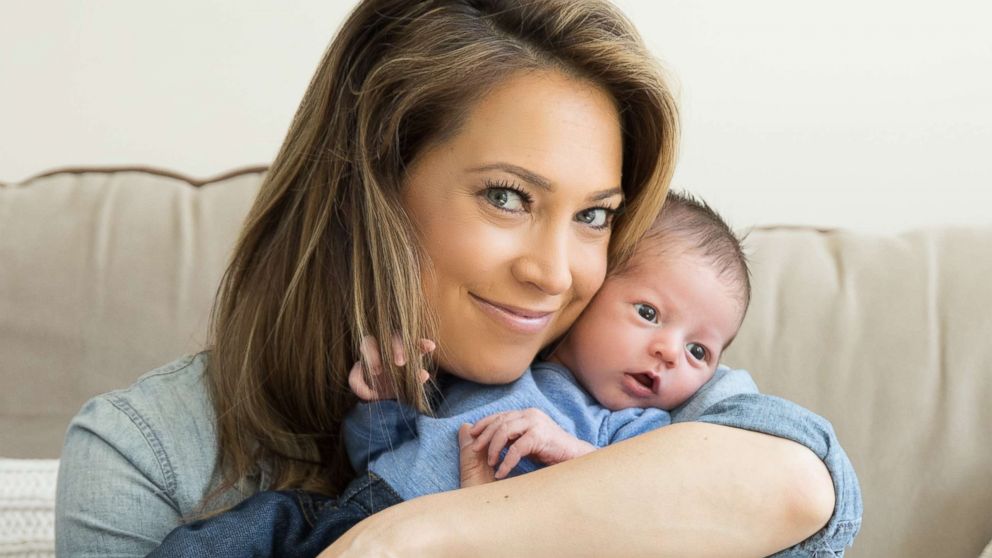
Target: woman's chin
point(488, 371)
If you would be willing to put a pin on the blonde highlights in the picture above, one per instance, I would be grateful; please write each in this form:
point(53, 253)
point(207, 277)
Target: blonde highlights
point(327, 253)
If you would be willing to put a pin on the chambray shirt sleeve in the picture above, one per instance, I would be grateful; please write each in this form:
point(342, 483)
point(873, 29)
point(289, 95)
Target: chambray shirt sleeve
point(377, 426)
point(627, 423)
point(116, 489)
point(739, 406)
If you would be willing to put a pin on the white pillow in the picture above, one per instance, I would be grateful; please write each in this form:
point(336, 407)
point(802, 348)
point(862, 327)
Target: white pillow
point(27, 507)
point(987, 553)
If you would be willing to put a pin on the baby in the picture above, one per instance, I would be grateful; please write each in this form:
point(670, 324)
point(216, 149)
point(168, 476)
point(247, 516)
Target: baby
point(650, 339)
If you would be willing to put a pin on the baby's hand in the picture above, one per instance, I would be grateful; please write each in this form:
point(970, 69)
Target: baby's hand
point(361, 382)
point(528, 433)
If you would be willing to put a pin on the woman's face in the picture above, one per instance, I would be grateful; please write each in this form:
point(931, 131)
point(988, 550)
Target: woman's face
point(514, 213)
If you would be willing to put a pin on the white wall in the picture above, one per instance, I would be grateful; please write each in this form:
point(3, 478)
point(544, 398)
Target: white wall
point(871, 115)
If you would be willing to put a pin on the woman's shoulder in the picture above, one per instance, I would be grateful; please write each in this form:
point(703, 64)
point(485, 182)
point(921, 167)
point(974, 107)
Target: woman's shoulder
point(170, 399)
point(178, 385)
point(163, 423)
point(140, 459)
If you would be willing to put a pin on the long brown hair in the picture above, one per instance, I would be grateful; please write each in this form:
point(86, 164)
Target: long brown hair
point(327, 253)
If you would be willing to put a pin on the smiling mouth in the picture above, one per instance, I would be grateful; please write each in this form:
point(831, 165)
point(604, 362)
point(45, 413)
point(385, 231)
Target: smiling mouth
point(519, 320)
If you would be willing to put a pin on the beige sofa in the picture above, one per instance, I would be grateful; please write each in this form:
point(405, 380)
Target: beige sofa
point(105, 274)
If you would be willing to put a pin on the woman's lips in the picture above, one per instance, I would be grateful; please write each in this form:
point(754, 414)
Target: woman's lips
point(518, 320)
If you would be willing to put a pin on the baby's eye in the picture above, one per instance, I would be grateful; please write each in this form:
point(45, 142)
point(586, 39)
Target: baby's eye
point(508, 199)
point(697, 351)
point(647, 312)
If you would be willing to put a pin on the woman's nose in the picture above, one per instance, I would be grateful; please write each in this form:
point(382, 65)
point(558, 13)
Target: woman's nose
point(546, 264)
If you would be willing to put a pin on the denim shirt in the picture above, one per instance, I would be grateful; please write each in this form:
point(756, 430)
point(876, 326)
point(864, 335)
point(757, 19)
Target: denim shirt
point(137, 462)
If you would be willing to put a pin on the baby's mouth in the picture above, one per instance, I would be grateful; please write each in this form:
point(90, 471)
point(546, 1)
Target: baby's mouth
point(646, 380)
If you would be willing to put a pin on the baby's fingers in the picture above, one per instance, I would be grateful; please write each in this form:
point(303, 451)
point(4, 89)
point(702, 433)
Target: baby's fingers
point(427, 346)
point(399, 355)
point(356, 379)
point(487, 427)
point(523, 447)
point(510, 429)
point(370, 351)
point(482, 423)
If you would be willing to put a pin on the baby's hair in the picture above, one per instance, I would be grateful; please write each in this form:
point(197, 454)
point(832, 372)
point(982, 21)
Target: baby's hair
point(687, 223)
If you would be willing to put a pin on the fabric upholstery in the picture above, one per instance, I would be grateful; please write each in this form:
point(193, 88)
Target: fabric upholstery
point(888, 337)
point(103, 275)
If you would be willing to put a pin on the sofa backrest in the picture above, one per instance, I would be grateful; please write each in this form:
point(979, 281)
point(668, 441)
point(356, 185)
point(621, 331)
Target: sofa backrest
point(107, 274)
point(104, 274)
point(889, 337)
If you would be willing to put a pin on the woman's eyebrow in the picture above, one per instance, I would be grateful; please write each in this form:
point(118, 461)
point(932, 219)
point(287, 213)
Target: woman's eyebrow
point(604, 194)
point(524, 174)
point(535, 179)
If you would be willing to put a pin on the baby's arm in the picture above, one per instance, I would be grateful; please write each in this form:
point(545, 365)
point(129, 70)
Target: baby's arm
point(378, 422)
point(525, 433)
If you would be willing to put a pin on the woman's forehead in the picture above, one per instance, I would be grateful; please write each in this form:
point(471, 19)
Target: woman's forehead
point(554, 129)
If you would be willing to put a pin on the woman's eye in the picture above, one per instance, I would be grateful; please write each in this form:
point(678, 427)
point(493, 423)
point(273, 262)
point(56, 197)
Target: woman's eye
point(595, 217)
point(697, 351)
point(505, 198)
point(647, 312)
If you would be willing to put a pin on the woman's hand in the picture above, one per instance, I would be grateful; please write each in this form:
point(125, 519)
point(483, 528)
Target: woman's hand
point(370, 385)
point(529, 432)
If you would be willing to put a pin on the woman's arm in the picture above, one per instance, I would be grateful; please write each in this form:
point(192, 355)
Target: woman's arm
point(687, 489)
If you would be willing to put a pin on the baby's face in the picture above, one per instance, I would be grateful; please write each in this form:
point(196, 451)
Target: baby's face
point(654, 334)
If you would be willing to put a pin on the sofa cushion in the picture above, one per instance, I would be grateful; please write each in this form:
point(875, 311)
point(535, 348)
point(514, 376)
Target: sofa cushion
point(104, 275)
point(888, 336)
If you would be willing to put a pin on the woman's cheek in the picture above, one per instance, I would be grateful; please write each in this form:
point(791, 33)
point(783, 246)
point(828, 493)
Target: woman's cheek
point(589, 270)
point(588, 266)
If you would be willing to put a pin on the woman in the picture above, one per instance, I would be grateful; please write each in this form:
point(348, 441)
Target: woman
point(451, 174)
